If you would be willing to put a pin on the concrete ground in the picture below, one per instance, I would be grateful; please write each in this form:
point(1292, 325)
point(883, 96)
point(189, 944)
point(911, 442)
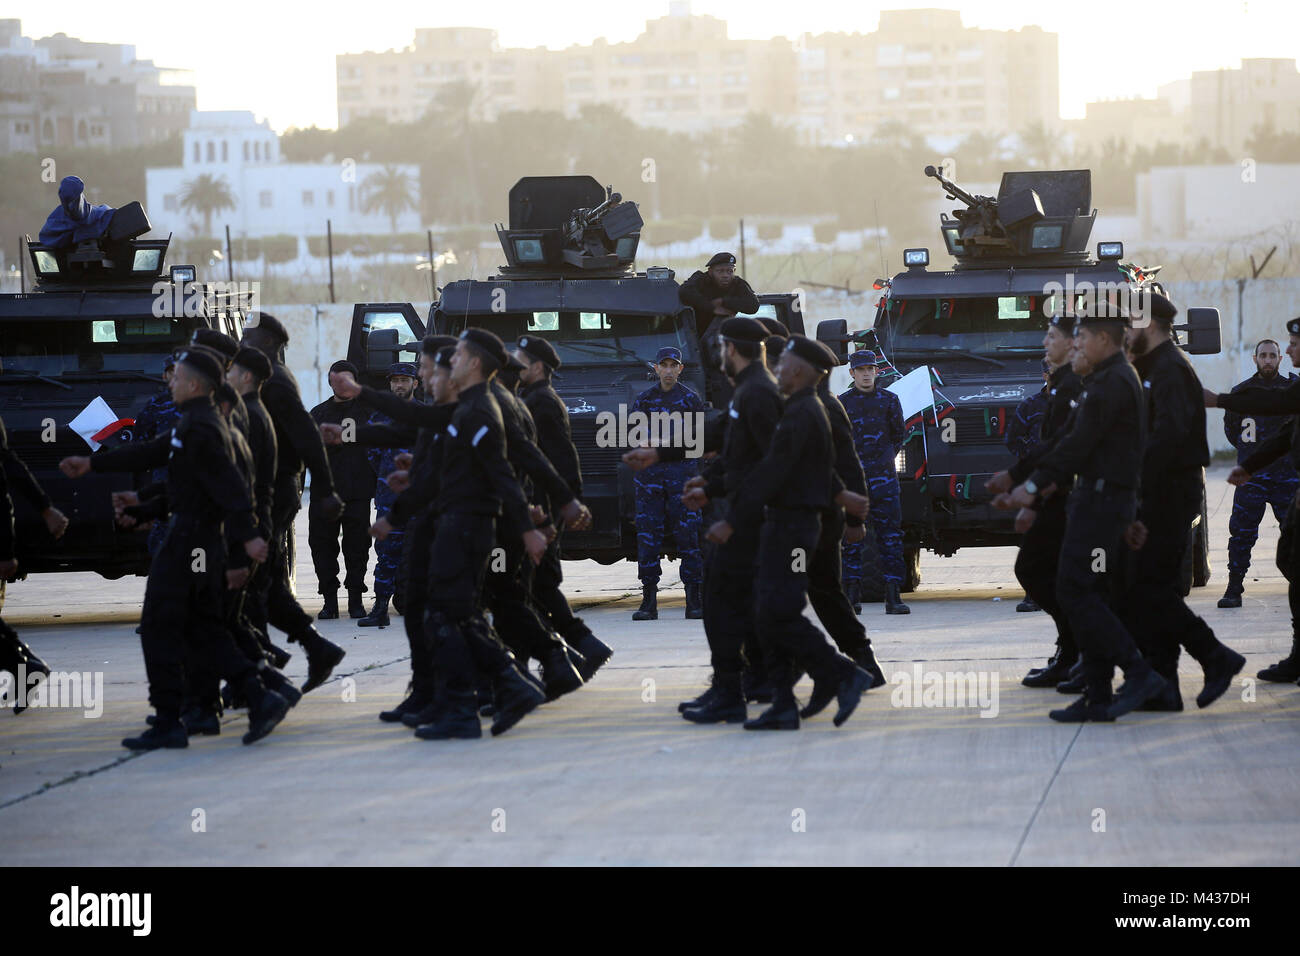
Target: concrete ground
point(611, 774)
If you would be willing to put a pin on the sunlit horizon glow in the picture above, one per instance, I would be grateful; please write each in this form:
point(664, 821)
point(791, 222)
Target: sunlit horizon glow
point(279, 63)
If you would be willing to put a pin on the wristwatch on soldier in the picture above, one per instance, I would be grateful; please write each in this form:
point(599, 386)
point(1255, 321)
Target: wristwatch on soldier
point(1031, 487)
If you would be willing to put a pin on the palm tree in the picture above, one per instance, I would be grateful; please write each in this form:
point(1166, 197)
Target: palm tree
point(206, 194)
point(389, 191)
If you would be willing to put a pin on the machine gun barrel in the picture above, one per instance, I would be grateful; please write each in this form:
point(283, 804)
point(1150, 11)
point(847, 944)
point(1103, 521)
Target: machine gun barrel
point(593, 214)
point(952, 189)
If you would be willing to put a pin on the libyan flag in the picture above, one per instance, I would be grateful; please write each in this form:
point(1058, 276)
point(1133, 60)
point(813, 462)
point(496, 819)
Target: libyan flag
point(97, 423)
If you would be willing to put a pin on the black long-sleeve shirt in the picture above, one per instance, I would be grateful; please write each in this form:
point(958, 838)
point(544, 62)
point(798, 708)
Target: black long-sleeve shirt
point(297, 437)
point(554, 434)
point(1267, 401)
point(1063, 388)
point(202, 477)
point(698, 292)
point(1108, 436)
point(261, 441)
point(1175, 416)
point(476, 477)
point(14, 476)
point(848, 466)
point(353, 477)
point(753, 413)
point(798, 471)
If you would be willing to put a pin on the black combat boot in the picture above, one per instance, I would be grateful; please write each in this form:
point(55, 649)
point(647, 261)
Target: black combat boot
point(1083, 710)
point(378, 617)
point(1232, 594)
point(277, 682)
point(279, 657)
point(595, 652)
point(866, 659)
point(330, 611)
point(1074, 682)
point(852, 686)
point(1028, 604)
point(167, 731)
point(1219, 672)
point(649, 609)
point(424, 715)
point(14, 654)
point(1287, 670)
point(559, 675)
point(356, 603)
point(727, 705)
point(893, 603)
point(456, 719)
point(854, 593)
point(266, 708)
point(487, 705)
point(694, 602)
point(322, 657)
point(515, 697)
point(1141, 683)
point(1056, 671)
point(200, 722)
point(703, 700)
point(782, 715)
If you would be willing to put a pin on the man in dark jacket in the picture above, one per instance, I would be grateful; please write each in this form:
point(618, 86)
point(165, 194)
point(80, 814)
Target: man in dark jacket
point(716, 295)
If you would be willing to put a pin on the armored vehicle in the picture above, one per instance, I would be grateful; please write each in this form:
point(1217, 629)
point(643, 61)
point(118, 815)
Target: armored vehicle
point(978, 327)
point(570, 277)
point(98, 326)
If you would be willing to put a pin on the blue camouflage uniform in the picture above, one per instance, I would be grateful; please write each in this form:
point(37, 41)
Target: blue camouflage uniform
point(878, 435)
point(388, 553)
point(1274, 485)
point(158, 415)
point(658, 489)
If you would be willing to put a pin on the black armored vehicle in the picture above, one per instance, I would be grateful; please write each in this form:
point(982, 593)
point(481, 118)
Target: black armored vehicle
point(1018, 257)
point(570, 277)
point(97, 328)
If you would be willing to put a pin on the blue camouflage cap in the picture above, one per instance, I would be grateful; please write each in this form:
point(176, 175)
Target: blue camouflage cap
point(668, 352)
point(862, 358)
point(401, 368)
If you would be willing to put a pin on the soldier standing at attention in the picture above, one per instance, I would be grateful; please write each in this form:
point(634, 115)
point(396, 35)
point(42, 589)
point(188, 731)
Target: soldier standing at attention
point(659, 490)
point(877, 419)
point(1024, 434)
point(1274, 485)
point(354, 481)
point(716, 295)
point(388, 550)
point(1275, 401)
point(1102, 455)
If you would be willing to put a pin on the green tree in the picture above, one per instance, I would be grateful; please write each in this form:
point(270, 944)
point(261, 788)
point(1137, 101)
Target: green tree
point(206, 194)
point(389, 191)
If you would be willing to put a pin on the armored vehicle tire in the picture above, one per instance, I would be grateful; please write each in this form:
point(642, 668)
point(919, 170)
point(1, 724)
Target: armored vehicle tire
point(911, 570)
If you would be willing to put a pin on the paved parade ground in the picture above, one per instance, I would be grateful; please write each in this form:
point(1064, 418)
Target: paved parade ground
point(611, 774)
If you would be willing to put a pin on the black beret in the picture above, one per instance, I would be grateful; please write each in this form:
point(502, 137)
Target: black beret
point(431, 345)
point(217, 340)
point(268, 322)
point(343, 365)
point(255, 362)
point(443, 358)
point(1063, 322)
point(775, 343)
point(722, 259)
point(1105, 316)
point(740, 329)
point(206, 362)
point(540, 349)
point(224, 393)
point(1161, 308)
point(401, 368)
point(489, 343)
point(813, 352)
point(1293, 327)
point(775, 327)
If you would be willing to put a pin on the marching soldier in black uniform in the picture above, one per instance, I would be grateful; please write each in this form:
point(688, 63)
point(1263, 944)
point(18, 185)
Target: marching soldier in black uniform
point(555, 439)
point(795, 484)
point(354, 481)
point(298, 442)
point(183, 594)
point(716, 295)
point(1172, 478)
point(1283, 401)
point(1040, 548)
point(1102, 454)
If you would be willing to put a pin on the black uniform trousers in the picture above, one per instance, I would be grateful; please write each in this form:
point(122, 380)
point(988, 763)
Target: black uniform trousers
point(463, 644)
point(505, 591)
point(275, 603)
point(1153, 608)
point(546, 580)
point(787, 543)
point(182, 613)
point(1288, 562)
point(1037, 564)
point(323, 539)
point(416, 546)
point(1087, 581)
point(729, 572)
point(826, 590)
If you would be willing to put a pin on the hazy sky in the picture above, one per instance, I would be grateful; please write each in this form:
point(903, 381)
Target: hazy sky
point(277, 58)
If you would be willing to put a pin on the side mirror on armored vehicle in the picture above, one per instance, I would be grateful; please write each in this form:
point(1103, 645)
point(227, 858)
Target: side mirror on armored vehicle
point(835, 334)
point(1203, 332)
point(381, 350)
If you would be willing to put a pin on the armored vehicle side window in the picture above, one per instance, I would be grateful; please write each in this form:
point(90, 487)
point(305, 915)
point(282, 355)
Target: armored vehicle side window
point(588, 338)
point(387, 320)
point(984, 316)
point(67, 346)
